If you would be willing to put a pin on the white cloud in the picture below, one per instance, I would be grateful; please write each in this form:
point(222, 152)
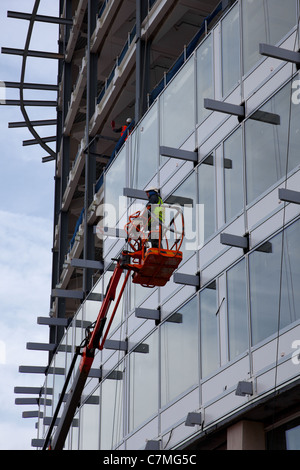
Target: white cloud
point(25, 267)
point(26, 210)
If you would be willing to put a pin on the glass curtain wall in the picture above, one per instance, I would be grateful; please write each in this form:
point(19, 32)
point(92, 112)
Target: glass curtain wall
point(233, 165)
point(231, 67)
point(177, 107)
point(209, 331)
point(264, 21)
point(274, 273)
point(144, 149)
point(143, 388)
point(272, 139)
point(179, 347)
point(237, 310)
point(205, 76)
point(112, 410)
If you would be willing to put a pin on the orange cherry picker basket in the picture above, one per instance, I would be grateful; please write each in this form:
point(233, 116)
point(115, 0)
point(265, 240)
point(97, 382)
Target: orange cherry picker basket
point(154, 266)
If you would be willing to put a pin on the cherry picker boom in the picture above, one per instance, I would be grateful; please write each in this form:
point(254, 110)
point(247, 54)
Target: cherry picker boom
point(150, 267)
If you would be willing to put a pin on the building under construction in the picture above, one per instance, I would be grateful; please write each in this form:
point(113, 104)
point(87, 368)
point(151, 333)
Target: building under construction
point(200, 99)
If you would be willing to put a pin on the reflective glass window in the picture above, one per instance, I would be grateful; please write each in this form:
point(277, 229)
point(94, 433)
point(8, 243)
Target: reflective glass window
point(179, 347)
point(209, 336)
point(144, 149)
point(274, 277)
point(265, 21)
point(293, 438)
point(115, 181)
point(185, 196)
point(231, 73)
point(111, 410)
point(143, 393)
point(205, 81)
point(233, 164)
point(237, 311)
point(178, 108)
point(89, 423)
point(207, 198)
point(272, 138)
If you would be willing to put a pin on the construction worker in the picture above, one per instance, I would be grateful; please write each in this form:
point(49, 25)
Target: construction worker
point(156, 215)
point(120, 130)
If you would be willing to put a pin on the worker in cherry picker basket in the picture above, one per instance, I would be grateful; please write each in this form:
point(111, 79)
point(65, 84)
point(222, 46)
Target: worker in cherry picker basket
point(156, 215)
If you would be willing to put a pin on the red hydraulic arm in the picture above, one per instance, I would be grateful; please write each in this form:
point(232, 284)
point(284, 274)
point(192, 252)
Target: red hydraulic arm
point(151, 267)
point(92, 344)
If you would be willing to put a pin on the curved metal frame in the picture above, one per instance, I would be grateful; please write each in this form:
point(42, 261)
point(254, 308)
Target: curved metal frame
point(24, 60)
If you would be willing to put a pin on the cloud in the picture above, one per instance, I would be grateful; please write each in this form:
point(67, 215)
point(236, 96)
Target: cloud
point(25, 270)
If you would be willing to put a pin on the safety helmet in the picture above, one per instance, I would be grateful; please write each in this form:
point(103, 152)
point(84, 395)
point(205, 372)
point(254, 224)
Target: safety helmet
point(151, 188)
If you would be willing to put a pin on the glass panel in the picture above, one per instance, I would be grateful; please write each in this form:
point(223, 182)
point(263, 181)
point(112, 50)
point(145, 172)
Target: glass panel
point(293, 438)
point(209, 331)
point(282, 16)
point(179, 347)
point(265, 21)
point(178, 108)
point(89, 424)
point(115, 181)
point(290, 293)
point(273, 130)
point(266, 290)
point(120, 313)
point(205, 81)
point(233, 175)
point(237, 310)
point(143, 391)
point(231, 50)
point(186, 196)
point(207, 199)
point(144, 150)
point(264, 275)
point(112, 410)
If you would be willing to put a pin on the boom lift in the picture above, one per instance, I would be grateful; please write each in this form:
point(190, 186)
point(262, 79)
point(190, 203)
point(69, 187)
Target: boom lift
point(150, 267)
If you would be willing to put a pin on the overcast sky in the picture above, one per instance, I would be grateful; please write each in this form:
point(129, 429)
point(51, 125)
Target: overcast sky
point(26, 221)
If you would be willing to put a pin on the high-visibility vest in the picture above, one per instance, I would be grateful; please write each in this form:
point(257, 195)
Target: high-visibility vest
point(159, 210)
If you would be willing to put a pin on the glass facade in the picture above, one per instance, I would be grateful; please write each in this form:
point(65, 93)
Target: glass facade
point(247, 298)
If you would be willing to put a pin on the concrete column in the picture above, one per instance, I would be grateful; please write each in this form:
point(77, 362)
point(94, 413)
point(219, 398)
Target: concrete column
point(246, 435)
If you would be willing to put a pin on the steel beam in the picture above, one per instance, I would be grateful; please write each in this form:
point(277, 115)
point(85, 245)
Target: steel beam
point(30, 103)
point(53, 321)
point(31, 86)
point(45, 122)
point(40, 18)
point(116, 345)
point(234, 241)
point(36, 142)
point(187, 279)
point(40, 346)
point(39, 54)
point(32, 414)
point(85, 263)
point(288, 195)
point(180, 154)
point(33, 390)
point(147, 314)
point(134, 193)
point(280, 53)
point(227, 108)
point(67, 294)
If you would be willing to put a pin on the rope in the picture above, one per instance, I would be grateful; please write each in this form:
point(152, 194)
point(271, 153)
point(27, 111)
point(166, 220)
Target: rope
point(282, 257)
